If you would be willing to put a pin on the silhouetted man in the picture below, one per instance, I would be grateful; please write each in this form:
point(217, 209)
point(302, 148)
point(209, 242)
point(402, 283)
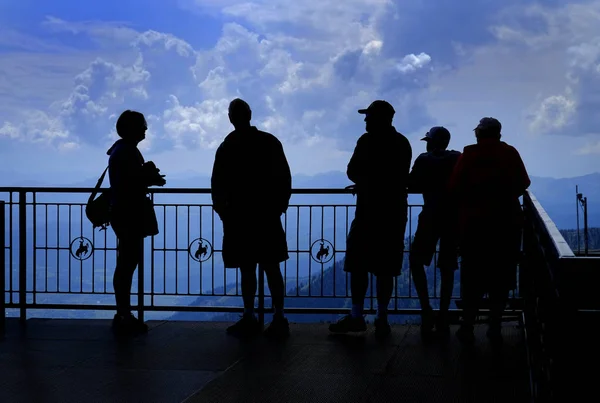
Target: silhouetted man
point(488, 180)
point(251, 189)
point(430, 176)
point(132, 213)
point(379, 167)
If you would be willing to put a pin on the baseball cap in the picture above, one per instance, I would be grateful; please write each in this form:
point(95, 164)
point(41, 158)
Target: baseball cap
point(489, 124)
point(438, 134)
point(379, 107)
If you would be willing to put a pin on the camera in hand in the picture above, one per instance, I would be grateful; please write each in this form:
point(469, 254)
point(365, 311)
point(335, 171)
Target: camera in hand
point(153, 174)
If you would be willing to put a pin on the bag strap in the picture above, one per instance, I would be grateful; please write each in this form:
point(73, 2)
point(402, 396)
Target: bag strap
point(97, 187)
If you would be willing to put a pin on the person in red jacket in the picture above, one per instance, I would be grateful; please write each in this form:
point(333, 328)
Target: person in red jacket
point(488, 180)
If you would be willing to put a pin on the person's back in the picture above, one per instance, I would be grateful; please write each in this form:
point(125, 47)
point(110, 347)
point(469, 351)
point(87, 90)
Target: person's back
point(492, 180)
point(254, 178)
point(488, 180)
point(380, 169)
point(434, 169)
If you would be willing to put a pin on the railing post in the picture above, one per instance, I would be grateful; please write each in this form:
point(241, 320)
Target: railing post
point(261, 295)
point(141, 283)
point(23, 256)
point(2, 267)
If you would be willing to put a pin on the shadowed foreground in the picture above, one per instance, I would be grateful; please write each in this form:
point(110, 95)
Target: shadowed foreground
point(79, 361)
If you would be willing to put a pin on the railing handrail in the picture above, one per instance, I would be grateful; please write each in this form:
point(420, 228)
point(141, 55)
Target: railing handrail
point(561, 246)
point(165, 190)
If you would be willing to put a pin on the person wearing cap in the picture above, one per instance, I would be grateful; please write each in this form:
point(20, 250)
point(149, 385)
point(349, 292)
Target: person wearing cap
point(430, 175)
point(251, 186)
point(488, 180)
point(379, 168)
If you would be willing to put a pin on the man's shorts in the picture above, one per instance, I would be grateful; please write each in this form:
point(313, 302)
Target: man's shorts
point(430, 230)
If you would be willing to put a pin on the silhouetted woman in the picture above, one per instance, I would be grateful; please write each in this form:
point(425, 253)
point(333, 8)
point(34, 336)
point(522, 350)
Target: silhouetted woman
point(488, 179)
point(132, 212)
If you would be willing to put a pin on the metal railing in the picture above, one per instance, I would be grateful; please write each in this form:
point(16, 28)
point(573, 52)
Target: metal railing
point(55, 260)
point(560, 298)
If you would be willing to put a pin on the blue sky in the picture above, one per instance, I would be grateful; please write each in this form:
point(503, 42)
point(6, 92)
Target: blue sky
point(68, 68)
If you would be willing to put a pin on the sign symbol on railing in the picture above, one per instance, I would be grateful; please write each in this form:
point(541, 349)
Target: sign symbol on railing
point(81, 248)
point(202, 250)
point(322, 251)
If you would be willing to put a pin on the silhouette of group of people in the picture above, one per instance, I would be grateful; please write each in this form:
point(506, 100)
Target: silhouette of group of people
point(470, 205)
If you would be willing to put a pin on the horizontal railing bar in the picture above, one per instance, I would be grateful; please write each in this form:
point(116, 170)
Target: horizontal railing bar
point(167, 190)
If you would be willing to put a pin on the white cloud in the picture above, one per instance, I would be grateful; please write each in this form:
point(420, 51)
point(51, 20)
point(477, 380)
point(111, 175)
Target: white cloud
point(414, 62)
point(203, 124)
point(305, 68)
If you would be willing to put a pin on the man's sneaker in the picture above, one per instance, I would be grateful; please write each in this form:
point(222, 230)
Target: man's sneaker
point(382, 327)
point(246, 327)
point(349, 324)
point(128, 324)
point(465, 335)
point(279, 328)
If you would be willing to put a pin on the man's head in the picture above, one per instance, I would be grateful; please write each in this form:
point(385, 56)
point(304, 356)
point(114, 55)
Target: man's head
point(437, 138)
point(132, 126)
point(488, 128)
point(240, 113)
point(378, 115)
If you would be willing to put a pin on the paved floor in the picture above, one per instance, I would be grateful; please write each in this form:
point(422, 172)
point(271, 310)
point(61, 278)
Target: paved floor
point(79, 361)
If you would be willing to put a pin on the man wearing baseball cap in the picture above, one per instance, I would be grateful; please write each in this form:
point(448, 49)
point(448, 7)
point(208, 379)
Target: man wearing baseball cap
point(488, 180)
point(379, 167)
point(430, 175)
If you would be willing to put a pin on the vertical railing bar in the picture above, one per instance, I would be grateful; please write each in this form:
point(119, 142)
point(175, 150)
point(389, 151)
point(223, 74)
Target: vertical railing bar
point(81, 263)
point(334, 248)
point(105, 258)
point(409, 249)
point(22, 256)
point(298, 251)
point(189, 217)
point(94, 260)
point(322, 236)
point(310, 208)
point(141, 282)
point(346, 248)
point(176, 250)
point(11, 240)
point(46, 249)
point(3, 267)
point(69, 234)
point(152, 265)
point(57, 247)
point(34, 257)
point(164, 249)
point(285, 262)
point(213, 245)
point(212, 222)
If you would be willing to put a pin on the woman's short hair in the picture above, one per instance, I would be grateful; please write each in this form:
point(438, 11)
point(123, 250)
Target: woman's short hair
point(128, 122)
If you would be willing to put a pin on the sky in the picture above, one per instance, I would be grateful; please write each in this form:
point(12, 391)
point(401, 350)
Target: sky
point(69, 68)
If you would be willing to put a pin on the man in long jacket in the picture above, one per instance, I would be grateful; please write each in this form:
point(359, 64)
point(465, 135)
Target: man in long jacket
point(488, 180)
point(251, 188)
